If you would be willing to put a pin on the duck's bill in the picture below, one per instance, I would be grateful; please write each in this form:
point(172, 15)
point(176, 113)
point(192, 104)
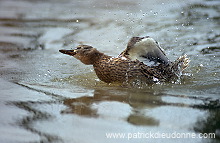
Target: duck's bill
point(68, 52)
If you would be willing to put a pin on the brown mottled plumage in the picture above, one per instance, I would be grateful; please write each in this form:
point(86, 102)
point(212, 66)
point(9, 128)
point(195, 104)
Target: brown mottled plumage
point(127, 66)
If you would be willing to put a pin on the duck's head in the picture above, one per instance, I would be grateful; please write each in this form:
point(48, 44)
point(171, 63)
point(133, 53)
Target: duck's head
point(85, 53)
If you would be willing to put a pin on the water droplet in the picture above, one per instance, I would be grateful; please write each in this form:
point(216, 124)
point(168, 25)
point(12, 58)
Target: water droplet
point(77, 21)
point(201, 65)
point(155, 79)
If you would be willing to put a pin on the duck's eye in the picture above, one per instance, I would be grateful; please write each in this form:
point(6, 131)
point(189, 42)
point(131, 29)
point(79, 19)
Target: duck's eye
point(87, 47)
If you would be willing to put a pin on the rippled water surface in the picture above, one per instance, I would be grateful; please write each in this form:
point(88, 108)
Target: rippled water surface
point(50, 97)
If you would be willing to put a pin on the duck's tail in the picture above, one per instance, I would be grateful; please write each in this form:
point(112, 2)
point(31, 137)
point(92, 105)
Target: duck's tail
point(180, 65)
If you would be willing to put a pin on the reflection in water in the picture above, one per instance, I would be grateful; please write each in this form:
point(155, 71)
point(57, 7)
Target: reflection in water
point(83, 105)
point(80, 106)
point(139, 101)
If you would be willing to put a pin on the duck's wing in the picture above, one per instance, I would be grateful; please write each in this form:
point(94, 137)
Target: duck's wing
point(164, 73)
point(145, 49)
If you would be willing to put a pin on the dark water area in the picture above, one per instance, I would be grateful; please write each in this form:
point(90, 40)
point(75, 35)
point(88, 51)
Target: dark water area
point(50, 97)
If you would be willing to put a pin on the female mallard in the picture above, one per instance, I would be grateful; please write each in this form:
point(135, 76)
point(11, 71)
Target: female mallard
point(143, 59)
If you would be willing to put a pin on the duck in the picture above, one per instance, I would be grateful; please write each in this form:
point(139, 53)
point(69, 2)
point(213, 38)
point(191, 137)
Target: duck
point(142, 60)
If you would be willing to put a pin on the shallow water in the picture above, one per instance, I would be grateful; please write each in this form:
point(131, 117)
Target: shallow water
point(50, 97)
